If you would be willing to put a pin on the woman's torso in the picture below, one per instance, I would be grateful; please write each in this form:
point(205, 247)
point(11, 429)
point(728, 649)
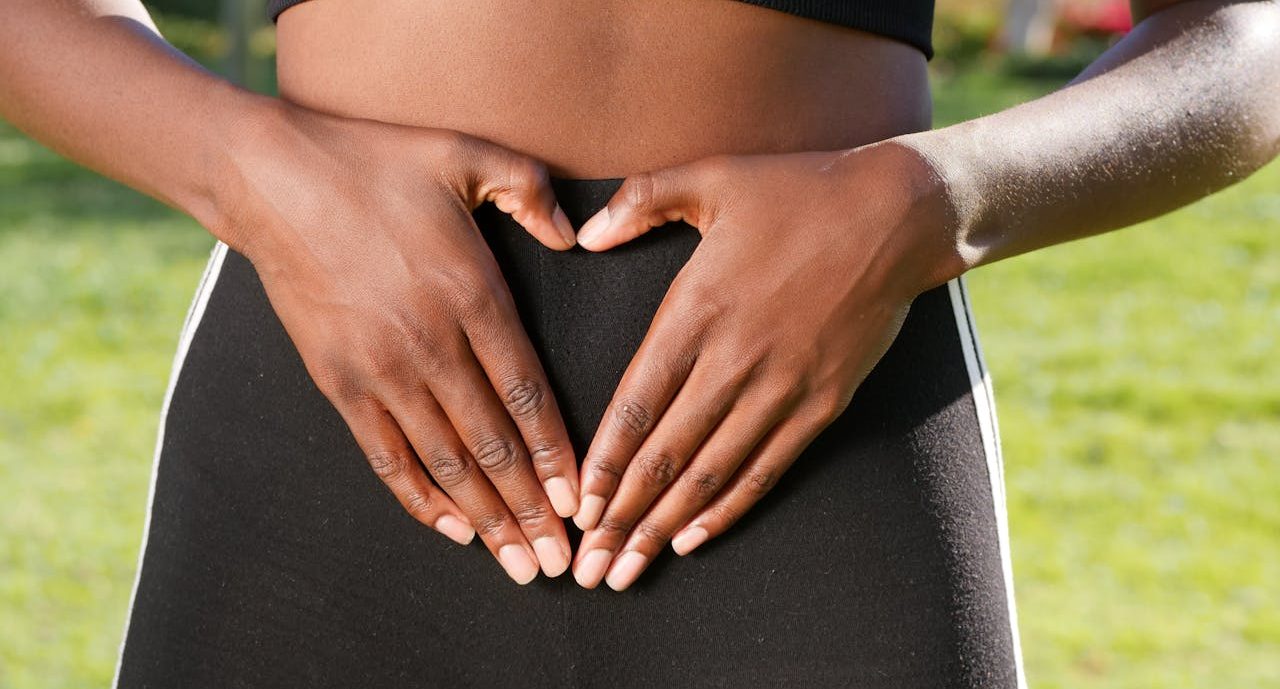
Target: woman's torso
point(275, 558)
point(609, 87)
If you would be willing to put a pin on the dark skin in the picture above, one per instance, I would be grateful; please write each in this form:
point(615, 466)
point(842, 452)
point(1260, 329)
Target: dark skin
point(819, 227)
point(760, 344)
point(350, 194)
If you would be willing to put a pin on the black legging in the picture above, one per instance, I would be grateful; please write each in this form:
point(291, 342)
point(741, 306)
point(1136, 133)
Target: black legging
point(274, 558)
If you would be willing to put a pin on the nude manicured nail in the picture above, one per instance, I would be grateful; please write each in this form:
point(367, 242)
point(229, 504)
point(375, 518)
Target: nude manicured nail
point(455, 529)
point(625, 570)
point(553, 556)
point(591, 569)
point(561, 221)
point(594, 226)
point(562, 495)
point(515, 559)
point(589, 512)
point(688, 539)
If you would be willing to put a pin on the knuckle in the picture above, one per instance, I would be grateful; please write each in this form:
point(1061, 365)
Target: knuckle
point(679, 362)
point(450, 468)
point(658, 468)
point(703, 484)
point(633, 417)
point(336, 383)
point(546, 458)
point(637, 190)
point(715, 164)
point(760, 481)
point(419, 504)
point(415, 332)
point(449, 278)
point(531, 513)
point(724, 514)
point(496, 455)
point(698, 305)
point(382, 366)
point(451, 147)
point(490, 524)
point(470, 298)
point(771, 360)
point(525, 172)
point(613, 524)
point(387, 465)
point(652, 532)
point(425, 363)
point(606, 470)
point(717, 170)
point(730, 372)
point(829, 406)
point(425, 355)
point(525, 397)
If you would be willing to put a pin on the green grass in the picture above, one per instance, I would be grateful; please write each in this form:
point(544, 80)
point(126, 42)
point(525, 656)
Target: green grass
point(1139, 395)
point(94, 282)
point(1135, 373)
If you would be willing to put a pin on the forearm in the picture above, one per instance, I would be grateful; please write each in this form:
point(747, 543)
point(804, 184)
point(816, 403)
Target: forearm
point(95, 81)
point(1185, 105)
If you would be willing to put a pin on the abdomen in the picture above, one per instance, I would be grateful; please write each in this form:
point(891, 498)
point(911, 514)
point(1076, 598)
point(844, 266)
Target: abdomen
point(609, 87)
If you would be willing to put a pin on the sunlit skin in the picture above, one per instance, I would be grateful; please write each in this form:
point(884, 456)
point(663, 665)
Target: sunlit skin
point(798, 149)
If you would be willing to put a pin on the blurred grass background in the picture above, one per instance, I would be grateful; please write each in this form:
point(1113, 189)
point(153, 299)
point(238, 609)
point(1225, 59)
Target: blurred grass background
point(1135, 375)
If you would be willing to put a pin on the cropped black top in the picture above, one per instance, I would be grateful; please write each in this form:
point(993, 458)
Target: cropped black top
point(910, 21)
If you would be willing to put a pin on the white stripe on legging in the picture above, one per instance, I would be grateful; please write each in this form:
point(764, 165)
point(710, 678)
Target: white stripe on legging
point(194, 314)
point(984, 402)
point(981, 390)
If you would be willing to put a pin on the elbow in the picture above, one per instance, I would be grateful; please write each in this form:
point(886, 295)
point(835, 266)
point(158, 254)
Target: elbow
point(1252, 29)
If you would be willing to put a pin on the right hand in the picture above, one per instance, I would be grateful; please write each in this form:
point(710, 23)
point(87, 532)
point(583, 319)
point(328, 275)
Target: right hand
point(362, 235)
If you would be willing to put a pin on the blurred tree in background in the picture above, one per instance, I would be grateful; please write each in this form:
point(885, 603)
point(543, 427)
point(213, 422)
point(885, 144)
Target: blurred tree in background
point(192, 9)
point(232, 37)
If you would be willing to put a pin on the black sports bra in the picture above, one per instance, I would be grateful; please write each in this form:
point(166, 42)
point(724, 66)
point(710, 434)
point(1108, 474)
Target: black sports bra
point(910, 21)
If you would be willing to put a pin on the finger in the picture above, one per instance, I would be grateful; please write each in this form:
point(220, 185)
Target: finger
point(396, 464)
point(644, 201)
point(754, 479)
point(697, 408)
point(521, 187)
point(481, 421)
point(458, 474)
point(660, 366)
point(515, 373)
point(711, 468)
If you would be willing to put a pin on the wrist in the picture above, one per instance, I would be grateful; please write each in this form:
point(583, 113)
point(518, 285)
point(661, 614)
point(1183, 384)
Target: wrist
point(953, 158)
point(923, 242)
point(223, 195)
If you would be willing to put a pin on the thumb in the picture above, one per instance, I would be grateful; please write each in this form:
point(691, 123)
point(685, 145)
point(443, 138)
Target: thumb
point(643, 202)
point(520, 186)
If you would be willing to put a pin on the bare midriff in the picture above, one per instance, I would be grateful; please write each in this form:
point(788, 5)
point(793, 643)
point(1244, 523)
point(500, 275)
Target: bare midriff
point(604, 88)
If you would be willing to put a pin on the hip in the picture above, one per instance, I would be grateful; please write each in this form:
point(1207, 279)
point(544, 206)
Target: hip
point(272, 552)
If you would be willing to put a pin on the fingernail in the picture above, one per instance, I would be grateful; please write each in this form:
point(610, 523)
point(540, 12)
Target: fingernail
point(625, 570)
point(561, 221)
point(455, 529)
point(552, 555)
point(589, 512)
point(594, 226)
point(562, 495)
point(688, 539)
point(590, 571)
point(515, 559)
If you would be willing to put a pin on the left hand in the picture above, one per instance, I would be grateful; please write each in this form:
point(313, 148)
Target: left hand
point(807, 266)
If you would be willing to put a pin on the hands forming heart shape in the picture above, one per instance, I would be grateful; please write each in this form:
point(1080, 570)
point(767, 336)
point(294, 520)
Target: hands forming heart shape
point(805, 272)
